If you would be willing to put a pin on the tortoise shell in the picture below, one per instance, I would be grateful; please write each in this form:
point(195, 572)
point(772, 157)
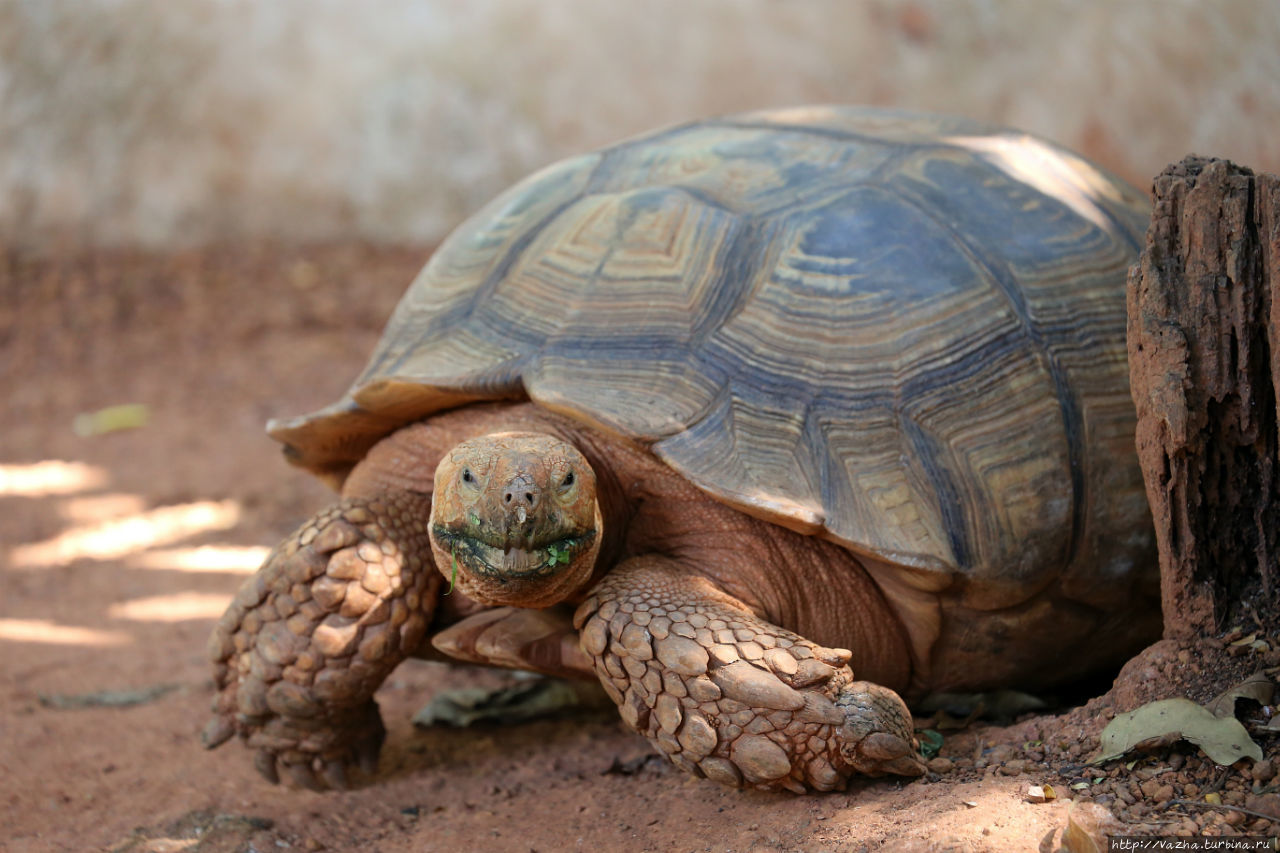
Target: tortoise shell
point(903, 332)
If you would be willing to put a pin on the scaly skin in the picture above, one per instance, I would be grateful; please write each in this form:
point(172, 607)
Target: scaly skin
point(728, 696)
point(674, 589)
point(308, 639)
point(516, 513)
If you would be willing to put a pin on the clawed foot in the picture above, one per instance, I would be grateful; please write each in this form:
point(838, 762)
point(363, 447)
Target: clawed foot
point(307, 640)
point(312, 754)
point(731, 697)
point(877, 737)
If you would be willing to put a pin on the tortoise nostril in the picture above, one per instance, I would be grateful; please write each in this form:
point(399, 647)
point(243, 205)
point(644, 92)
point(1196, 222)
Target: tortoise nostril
point(527, 499)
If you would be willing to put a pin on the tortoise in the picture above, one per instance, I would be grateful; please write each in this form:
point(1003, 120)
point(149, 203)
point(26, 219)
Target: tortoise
point(797, 412)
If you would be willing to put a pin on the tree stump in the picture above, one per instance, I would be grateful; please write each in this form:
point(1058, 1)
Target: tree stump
point(1204, 361)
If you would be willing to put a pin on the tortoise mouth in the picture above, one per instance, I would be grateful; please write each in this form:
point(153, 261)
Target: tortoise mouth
point(503, 563)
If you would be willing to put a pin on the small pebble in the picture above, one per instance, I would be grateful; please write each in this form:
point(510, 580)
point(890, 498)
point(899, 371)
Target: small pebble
point(1268, 804)
point(941, 765)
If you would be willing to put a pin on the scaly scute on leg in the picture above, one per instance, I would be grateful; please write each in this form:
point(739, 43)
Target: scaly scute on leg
point(307, 640)
point(726, 695)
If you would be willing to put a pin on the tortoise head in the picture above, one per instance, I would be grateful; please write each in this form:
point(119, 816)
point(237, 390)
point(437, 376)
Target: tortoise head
point(514, 519)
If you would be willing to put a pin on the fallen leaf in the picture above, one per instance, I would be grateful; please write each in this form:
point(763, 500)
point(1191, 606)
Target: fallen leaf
point(539, 697)
point(1155, 744)
point(106, 698)
point(111, 419)
point(1223, 739)
point(1257, 687)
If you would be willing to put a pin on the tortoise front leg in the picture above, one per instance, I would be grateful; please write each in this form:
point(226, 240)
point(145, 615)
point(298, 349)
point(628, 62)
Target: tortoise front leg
point(309, 638)
point(729, 696)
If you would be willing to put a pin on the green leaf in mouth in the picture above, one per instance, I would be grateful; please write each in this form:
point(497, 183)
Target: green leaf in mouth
point(558, 556)
point(454, 576)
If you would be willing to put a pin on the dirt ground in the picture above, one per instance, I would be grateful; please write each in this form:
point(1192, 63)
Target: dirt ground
point(120, 547)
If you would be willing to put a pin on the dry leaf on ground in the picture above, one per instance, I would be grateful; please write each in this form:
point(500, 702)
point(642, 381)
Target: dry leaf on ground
point(1257, 687)
point(1223, 739)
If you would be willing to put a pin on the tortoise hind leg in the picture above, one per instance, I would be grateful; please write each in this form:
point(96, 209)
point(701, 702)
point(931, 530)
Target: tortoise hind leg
point(307, 640)
point(542, 641)
point(729, 696)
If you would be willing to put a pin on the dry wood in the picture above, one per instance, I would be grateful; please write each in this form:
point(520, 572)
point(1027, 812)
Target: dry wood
point(1204, 354)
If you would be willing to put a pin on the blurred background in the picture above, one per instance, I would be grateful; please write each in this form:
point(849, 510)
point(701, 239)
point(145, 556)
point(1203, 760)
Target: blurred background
point(164, 123)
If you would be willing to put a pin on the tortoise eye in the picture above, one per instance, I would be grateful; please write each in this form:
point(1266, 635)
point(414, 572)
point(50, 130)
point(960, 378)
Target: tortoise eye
point(568, 480)
point(467, 476)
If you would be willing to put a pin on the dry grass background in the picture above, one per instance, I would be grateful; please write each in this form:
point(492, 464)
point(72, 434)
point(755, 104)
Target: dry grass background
point(168, 122)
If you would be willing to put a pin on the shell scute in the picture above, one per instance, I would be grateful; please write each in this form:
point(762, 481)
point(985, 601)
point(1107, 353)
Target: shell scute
point(902, 332)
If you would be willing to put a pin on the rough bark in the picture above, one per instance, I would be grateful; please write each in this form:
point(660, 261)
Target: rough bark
point(1204, 358)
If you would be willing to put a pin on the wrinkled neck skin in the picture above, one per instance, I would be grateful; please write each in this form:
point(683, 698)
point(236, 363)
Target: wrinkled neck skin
point(515, 519)
point(640, 507)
